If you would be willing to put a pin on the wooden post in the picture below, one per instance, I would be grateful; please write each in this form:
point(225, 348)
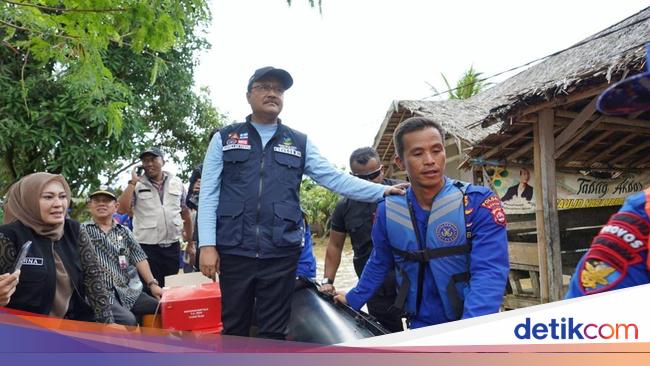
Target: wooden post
point(548, 226)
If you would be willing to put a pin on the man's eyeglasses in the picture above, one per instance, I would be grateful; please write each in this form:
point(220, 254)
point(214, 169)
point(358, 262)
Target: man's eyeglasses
point(369, 176)
point(266, 88)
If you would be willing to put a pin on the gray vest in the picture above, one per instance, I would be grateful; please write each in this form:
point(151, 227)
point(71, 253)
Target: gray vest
point(155, 222)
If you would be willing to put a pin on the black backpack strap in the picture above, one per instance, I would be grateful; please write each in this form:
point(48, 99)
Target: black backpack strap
point(455, 301)
point(397, 309)
point(428, 254)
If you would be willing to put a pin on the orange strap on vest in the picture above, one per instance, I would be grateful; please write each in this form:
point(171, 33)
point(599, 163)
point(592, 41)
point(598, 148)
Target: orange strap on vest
point(647, 211)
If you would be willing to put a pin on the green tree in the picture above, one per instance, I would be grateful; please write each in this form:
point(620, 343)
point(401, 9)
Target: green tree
point(469, 84)
point(52, 118)
point(73, 36)
point(318, 203)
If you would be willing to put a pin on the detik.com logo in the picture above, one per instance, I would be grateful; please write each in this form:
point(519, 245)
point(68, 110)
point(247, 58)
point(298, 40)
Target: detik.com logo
point(568, 328)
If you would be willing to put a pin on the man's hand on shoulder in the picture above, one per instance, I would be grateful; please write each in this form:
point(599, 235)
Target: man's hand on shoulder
point(398, 189)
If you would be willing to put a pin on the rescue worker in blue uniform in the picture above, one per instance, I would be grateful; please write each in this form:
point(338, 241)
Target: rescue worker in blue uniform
point(250, 222)
point(307, 261)
point(446, 239)
point(618, 256)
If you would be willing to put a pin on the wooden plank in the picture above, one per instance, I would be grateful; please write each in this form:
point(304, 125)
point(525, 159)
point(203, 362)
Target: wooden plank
point(611, 149)
point(523, 253)
point(630, 152)
point(614, 127)
point(519, 226)
point(548, 226)
point(521, 151)
point(630, 122)
point(642, 162)
point(525, 131)
point(577, 138)
point(517, 302)
point(539, 212)
point(586, 147)
point(562, 100)
point(577, 122)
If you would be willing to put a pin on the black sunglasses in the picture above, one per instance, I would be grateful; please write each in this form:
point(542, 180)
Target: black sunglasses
point(369, 176)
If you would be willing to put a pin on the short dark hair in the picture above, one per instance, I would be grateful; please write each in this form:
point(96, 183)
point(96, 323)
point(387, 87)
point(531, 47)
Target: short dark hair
point(411, 125)
point(363, 155)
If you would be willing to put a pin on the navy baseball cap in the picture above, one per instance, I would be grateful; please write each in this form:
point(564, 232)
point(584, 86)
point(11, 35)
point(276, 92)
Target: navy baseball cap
point(153, 151)
point(284, 76)
point(629, 95)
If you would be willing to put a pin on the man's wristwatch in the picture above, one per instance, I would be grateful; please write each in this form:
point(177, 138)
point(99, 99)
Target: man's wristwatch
point(326, 281)
point(152, 282)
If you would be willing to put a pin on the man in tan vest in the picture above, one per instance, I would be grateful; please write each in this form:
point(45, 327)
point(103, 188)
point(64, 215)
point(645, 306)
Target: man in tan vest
point(156, 201)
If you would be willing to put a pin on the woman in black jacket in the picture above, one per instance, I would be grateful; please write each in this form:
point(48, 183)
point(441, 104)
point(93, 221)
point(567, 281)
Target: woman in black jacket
point(60, 275)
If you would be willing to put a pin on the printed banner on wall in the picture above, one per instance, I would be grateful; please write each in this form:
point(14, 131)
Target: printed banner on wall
point(515, 187)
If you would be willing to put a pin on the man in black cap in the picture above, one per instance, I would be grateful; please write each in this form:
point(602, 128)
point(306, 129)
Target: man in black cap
point(121, 259)
point(160, 214)
point(250, 222)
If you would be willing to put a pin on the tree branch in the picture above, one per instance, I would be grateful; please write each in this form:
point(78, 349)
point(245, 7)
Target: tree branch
point(38, 32)
point(114, 175)
point(63, 10)
point(14, 26)
point(22, 84)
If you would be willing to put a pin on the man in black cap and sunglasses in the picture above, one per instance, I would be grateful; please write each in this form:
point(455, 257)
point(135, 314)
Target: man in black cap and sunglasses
point(355, 218)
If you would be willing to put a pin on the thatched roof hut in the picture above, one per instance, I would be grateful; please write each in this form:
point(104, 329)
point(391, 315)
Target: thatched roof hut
point(568, 83)
point(546, 117)
point(497, 123)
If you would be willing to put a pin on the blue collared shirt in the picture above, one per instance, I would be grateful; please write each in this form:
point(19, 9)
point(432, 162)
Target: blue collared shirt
point(316, 167)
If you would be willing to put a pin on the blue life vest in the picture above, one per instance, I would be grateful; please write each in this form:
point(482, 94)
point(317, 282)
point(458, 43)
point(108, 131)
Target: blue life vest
point(259, 206)
point(447, 251)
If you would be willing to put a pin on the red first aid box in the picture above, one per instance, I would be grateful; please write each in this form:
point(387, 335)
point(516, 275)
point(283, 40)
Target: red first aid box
point(192, 307)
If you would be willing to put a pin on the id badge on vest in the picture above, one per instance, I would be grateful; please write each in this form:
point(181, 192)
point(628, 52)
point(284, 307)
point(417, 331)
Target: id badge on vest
point(124, 264)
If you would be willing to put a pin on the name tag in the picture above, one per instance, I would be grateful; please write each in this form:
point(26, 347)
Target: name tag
point(290, 151)
point(32, 261)
point(236, 147)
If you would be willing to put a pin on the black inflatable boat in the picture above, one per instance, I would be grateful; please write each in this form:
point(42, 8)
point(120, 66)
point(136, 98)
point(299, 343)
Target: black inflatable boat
point(316, 318)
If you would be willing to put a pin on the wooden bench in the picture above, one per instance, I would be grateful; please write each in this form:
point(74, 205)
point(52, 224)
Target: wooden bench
point(524, 276)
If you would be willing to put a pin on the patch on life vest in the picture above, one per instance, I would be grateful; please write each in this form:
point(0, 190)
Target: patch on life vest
point(597, 276)
point(287, 141)
point(232, 138)
point(236, 146)
point(447, 232)
point(628, 230)
point(291, 150)
point(493, 203)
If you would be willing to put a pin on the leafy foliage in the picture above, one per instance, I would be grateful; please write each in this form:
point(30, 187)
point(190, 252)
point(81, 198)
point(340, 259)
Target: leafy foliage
point(87, 84)
point(318, 203)
point(74, 36)
point(469, 84)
